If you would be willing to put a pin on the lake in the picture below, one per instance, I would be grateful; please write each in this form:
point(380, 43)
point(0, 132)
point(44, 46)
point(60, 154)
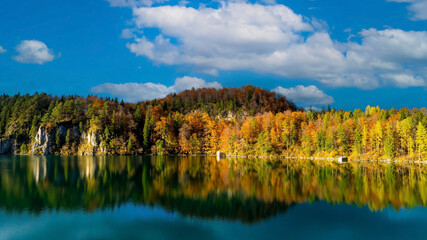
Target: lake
point(154, 197)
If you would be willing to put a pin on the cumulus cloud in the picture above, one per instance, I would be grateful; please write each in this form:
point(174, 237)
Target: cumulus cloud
point(33, 51)
point(135, 92)
point(186, 82)
point(2, 50)
point(310, 95)
point(272, 39)
point(418, 8)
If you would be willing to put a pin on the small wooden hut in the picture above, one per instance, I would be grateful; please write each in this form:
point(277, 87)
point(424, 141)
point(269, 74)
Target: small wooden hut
point(342, 159)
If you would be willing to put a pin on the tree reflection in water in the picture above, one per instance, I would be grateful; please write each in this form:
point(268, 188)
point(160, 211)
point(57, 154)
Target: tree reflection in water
point(248, 190)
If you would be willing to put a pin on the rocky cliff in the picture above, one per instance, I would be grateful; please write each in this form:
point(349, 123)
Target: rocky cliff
point(51, 141)
point(89, 143)
point(7, 146)
point(43, 141)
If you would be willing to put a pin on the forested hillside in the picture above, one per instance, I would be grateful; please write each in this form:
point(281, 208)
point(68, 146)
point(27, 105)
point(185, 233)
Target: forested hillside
point(246, 121)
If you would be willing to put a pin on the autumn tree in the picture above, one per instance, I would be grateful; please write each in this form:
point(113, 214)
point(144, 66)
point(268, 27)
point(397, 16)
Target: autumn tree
point(421, 140)
point(406, 131)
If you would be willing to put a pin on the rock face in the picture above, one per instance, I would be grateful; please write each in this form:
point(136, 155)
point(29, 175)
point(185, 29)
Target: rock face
point(46, 141)
point(43, 142)
point(92, 139)
point(74, 132)
point(89, 143)
point(7, 146)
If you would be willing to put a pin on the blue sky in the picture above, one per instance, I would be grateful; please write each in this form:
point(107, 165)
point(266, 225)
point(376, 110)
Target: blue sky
point(345, 53)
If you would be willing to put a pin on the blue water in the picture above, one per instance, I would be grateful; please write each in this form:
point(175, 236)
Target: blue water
point(198, 198)
point(304, 221)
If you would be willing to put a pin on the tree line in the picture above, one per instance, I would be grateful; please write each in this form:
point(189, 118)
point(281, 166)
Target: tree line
point(246, 121)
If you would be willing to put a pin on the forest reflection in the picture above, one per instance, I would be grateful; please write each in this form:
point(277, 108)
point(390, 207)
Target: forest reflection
point(248, 190)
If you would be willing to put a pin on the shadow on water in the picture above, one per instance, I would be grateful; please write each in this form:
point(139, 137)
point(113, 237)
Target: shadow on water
point(244, 190)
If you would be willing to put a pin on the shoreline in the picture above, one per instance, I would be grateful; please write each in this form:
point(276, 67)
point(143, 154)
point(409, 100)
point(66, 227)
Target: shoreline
point(330, 159)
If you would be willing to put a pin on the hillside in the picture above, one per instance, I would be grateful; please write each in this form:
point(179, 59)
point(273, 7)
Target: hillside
point(45, 124)
point(246, 121)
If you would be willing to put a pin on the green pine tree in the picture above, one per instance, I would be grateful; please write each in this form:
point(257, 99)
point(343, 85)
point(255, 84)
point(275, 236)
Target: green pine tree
point(389, 142)
point(148, 127)
point(138, 115)
point(357, 145)
point(342, 138)
point(68, 138)
point(106, 135)
point(130, 144)
point(58, 139)
point(24, 148)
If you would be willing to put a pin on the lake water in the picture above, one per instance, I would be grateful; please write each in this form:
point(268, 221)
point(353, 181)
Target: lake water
point(135, 197)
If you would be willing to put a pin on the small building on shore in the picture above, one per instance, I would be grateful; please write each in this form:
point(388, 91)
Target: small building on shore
point(342, 159)
point(220, 155)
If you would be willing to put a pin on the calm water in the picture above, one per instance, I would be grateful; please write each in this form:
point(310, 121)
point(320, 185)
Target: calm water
point(200, 198)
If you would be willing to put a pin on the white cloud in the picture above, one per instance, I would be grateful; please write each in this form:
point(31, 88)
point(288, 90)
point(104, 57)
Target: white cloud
point(232, 37)
point(418, 8)
point(183, 2)
point(135, 92)
point(33, 51)
point(312, 108)
point(127, 33)
point(186, 82)
point(404, 80)
point(273, 39)
point(310, 95)
point(389, 53)
point(2, 50)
